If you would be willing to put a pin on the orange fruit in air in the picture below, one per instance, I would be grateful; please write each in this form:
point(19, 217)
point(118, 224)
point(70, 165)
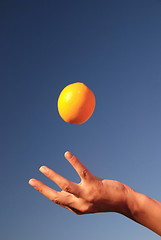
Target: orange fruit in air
point(76, 103)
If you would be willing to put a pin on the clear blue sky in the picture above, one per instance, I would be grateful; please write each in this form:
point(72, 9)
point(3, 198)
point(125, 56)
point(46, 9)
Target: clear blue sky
point(114, 47)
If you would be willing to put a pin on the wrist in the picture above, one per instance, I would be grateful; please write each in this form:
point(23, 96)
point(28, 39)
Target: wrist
point(131, 203)
point(135, 202)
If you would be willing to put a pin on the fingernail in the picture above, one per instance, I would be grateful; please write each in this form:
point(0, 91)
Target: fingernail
point(32, 182)
point(68, 155)
point(43, 169)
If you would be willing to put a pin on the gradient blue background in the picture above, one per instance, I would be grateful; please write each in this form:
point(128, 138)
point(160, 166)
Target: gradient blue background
point(114, 47)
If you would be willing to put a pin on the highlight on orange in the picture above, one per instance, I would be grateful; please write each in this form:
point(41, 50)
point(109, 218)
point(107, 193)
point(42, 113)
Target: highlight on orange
point(76, 103)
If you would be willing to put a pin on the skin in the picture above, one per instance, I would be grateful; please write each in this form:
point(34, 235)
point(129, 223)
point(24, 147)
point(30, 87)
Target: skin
point(93, 195)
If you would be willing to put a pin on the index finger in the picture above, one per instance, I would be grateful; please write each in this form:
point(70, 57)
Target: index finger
point(82, 171)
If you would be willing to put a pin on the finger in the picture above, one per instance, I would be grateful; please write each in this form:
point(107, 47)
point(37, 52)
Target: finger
point(51, 194)
point(82, 171)
point(62, 182)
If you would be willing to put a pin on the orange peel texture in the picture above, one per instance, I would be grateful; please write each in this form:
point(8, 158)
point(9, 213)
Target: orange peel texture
point(76, 103)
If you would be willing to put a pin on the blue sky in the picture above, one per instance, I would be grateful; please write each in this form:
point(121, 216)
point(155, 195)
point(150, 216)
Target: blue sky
point(114, 47)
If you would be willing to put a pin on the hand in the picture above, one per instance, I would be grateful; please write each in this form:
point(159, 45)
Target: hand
point(91, 195)
point(94, 195)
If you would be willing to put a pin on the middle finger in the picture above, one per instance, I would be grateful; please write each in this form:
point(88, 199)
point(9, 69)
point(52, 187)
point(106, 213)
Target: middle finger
point(62, 182)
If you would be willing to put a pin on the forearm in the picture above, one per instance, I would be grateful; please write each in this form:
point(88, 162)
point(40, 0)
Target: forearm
point(144, 210)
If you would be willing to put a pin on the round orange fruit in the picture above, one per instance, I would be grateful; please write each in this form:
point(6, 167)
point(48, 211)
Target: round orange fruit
point(76, 103)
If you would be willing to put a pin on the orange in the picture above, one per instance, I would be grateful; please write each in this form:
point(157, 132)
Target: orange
point(76, 103)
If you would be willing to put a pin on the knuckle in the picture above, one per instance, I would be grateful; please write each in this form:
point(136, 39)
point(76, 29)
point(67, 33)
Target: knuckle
point(39, 189)
point(84, 173)
point(49, 174)
point(56, 201)
point(67, 188)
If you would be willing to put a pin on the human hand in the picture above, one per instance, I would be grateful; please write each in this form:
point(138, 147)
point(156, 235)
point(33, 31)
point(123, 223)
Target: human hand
point(91, 195)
